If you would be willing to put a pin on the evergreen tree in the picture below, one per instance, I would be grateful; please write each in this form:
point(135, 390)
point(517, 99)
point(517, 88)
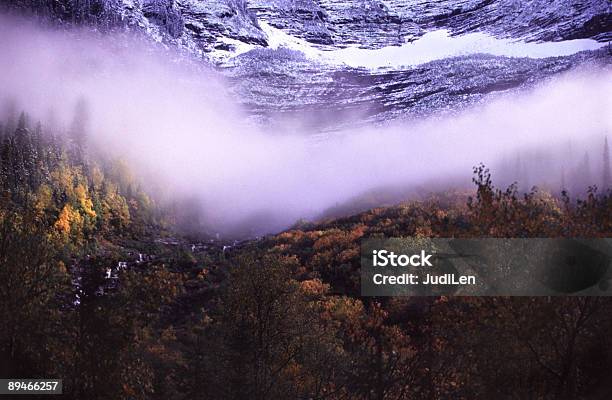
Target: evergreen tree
point(5, 167)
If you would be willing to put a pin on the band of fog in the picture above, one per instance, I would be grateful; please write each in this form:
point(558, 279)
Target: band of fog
point(175, 123)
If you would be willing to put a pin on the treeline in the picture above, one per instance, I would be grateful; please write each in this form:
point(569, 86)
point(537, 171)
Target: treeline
point(61, 208)
point(54, 175)
point(569, 166)
point(331, 248)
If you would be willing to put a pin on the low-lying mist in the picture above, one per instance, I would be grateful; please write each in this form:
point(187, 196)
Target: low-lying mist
point(174, 122)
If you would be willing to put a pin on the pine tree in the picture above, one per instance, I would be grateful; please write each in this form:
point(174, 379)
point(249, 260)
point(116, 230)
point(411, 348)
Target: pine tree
point(25, 154)
point(5, 164)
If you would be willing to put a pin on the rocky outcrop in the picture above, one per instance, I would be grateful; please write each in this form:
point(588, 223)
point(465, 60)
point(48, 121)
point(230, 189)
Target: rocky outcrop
point(369, 23)
point(340, 23)
point(211, 21)
point(199, 26)
point(164, 15)
point(536, 20)
point(300, 18)
point(380, 23)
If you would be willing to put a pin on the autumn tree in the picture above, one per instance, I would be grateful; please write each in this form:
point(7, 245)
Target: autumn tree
point(34, 284)
point(269, 338)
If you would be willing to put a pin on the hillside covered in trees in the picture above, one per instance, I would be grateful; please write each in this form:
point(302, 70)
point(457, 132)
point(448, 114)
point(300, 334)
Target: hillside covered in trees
point(97, 289)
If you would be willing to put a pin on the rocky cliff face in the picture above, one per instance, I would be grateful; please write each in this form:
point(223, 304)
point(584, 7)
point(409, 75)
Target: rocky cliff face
point(266, 48)
point(375, 23)
point(211, 21)
point(337, 23)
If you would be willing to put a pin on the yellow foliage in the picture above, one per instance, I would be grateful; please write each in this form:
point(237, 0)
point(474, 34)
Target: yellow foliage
point(314, 287)
point(84, 201)
point(69, 220)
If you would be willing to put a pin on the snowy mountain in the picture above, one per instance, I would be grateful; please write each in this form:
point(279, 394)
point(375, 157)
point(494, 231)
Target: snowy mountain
point(334, 59)
point(211, 25)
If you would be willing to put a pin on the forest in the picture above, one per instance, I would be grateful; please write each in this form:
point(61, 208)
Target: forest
point(99, 288)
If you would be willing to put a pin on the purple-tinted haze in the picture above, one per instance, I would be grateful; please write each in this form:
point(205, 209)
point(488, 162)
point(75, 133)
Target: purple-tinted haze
point(173, 120)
